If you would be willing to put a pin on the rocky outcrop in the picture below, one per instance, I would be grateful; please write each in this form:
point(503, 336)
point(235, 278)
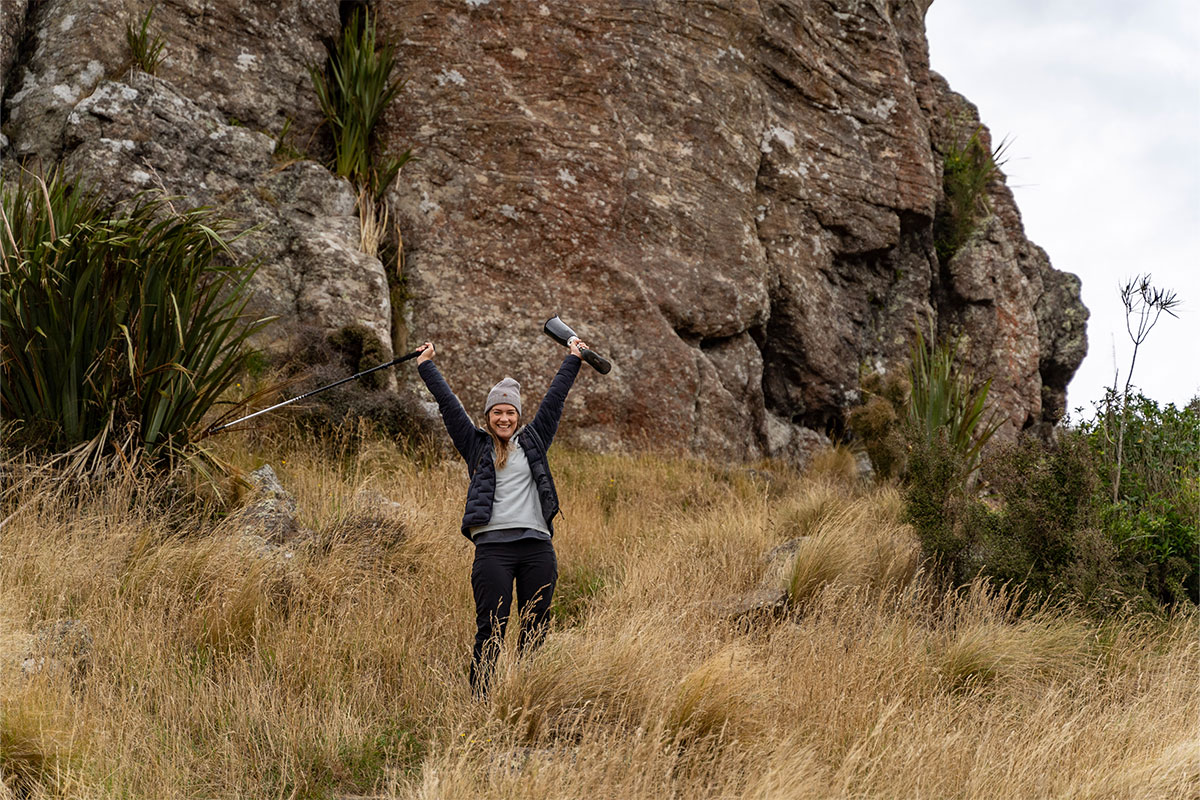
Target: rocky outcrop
point(297, 222)
point(12, 32)
point(195, 132)
point(734, 201)
point(242, 60)
point(1020, 321)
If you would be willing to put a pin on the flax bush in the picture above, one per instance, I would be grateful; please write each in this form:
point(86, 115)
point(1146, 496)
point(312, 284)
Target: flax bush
point(946, 402)
point(353, 90)
point(121, 328)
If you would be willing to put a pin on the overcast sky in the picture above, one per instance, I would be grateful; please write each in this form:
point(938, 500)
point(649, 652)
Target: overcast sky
point(1101, 102)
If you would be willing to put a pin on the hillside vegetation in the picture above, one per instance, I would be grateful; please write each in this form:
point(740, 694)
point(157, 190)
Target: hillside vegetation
point(336, 666)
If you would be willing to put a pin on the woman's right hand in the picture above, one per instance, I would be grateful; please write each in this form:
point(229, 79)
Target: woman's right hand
point(426, 351)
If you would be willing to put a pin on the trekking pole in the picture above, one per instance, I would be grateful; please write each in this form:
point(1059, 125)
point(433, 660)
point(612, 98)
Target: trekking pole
point(392, 363)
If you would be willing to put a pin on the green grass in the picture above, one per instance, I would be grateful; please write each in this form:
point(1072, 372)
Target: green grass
point(968, 169)
point(145, 50)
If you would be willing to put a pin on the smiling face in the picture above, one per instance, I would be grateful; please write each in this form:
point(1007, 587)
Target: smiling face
point(502, 420)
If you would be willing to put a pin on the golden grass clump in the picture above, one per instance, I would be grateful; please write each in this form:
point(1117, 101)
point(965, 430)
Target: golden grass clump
point(982, 652)
point(721, 697)
point(221, 665)
point(843, 535)
point(37, 744)
point(834, 465)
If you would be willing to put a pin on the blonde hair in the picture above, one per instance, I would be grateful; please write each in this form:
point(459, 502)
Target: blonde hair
point(500, 445)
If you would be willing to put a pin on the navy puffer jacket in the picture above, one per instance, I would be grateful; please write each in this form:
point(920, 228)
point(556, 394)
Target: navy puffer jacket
point(475, 444)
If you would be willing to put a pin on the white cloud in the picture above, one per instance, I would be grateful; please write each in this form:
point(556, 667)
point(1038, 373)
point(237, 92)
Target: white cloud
point(1102, 102)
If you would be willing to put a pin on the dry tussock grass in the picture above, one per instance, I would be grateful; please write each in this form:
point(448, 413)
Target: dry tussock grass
point(221, 668)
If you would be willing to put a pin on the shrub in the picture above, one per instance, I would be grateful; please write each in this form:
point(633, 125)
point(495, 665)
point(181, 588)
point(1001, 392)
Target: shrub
point(1049, 526)
point(1046, 531)
point(145, 51)
point(121, 329)
point(968, 168)
point(1155, 520)
point(937, 505)
point(937, 405)
point(353, 91)
point(318, 358)
point(876, 423)
point(930, 431)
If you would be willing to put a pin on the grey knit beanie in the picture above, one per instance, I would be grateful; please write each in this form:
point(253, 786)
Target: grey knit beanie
point(506, 391)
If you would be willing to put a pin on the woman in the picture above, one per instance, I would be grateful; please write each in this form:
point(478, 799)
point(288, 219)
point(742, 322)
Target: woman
point(511, 504)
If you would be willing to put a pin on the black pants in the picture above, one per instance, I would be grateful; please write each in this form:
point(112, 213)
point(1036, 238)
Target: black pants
point(534, 567)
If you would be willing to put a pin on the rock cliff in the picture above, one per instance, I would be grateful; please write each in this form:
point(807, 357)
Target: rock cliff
point(733, 200)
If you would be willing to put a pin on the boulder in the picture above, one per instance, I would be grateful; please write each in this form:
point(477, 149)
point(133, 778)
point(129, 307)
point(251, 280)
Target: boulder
point(270, 510)
point(63, 645)
point(756, 604)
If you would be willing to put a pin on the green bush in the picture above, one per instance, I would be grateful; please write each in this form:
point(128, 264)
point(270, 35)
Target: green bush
point(938, 506)
point(1045, 530)
point(968, 168)
point(930, 430)
point(1155, 520)
point(1048, 524)
point(353, 90)
point(121, 329)
point(145, 51)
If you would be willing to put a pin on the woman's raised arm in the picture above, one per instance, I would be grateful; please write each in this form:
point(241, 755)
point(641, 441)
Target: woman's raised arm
point(454, 416)
point(545, 421)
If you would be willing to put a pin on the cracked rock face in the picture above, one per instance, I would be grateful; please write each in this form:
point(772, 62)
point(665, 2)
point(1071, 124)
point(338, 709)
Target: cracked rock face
point(296, 220)
point(733, 201)
point(299, 220)
point(241, 59)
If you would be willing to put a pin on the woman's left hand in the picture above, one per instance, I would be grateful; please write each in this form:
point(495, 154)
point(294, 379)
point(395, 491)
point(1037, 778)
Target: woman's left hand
point(576, 346)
